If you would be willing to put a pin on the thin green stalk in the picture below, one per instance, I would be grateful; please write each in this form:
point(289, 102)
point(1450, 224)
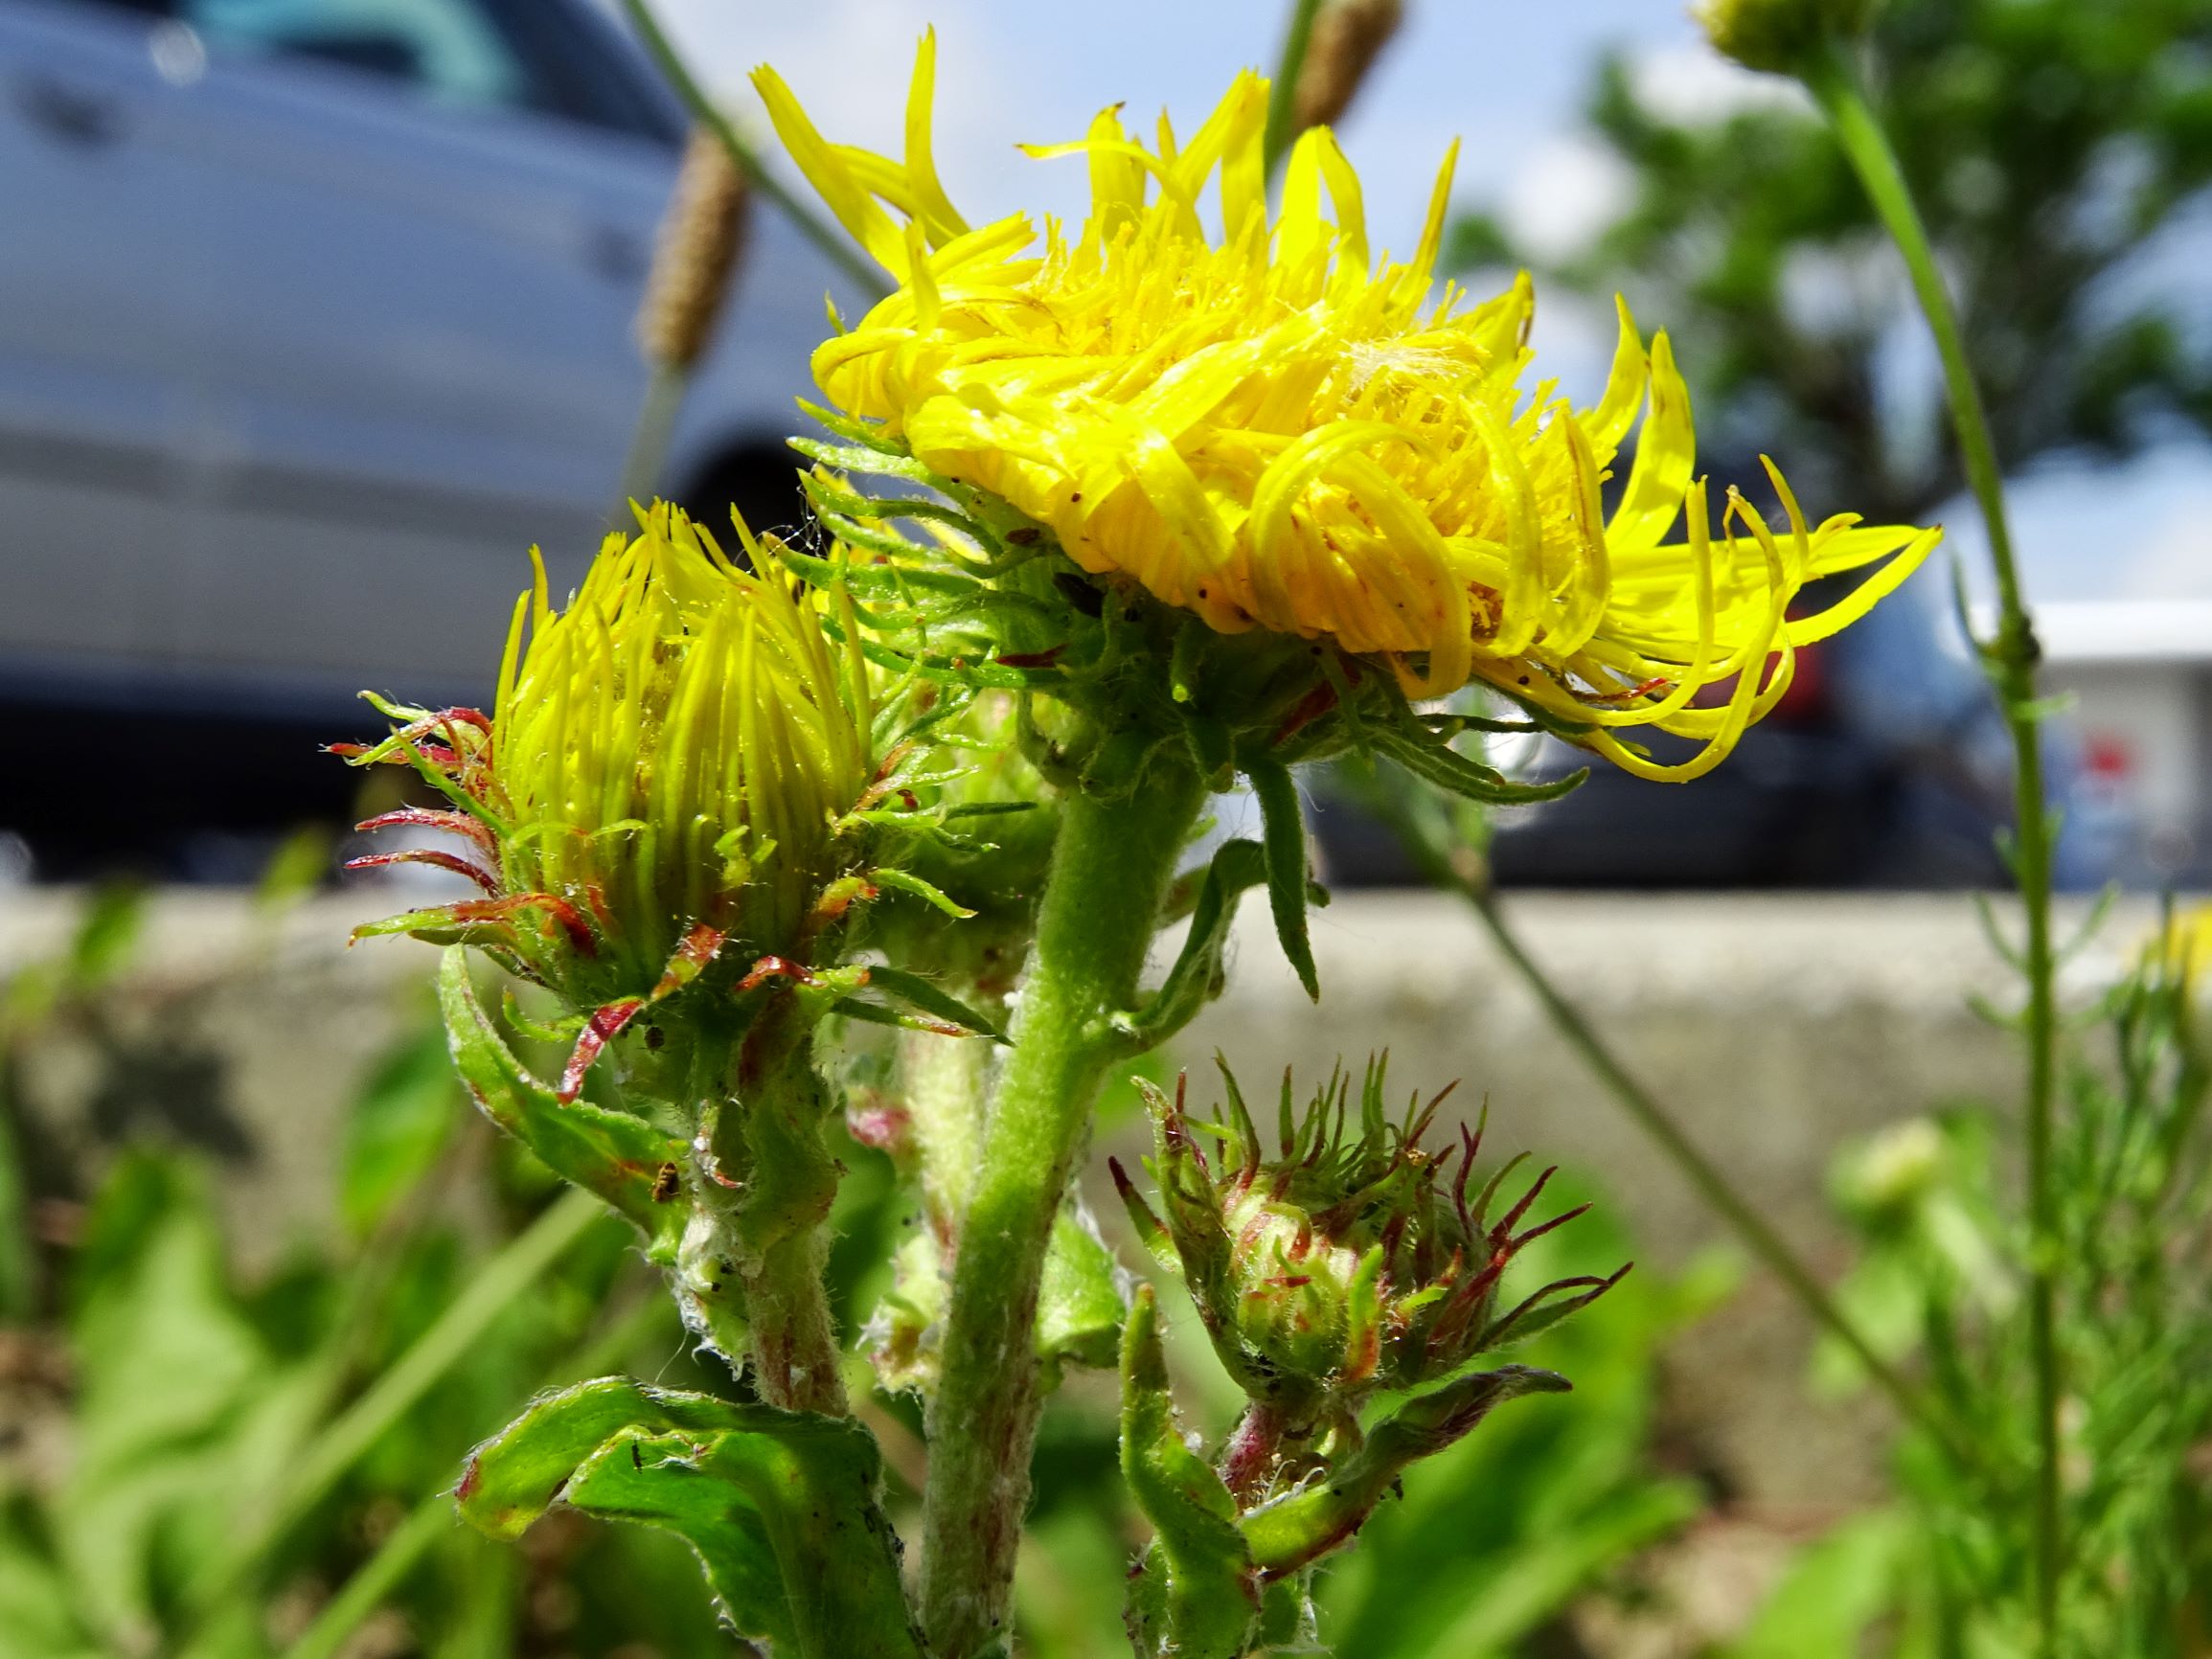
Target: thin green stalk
point(2013, 656)
point(1111, 871)
point(403, 1547)
point(648, 443)
point(372, 1585)
point(1657, 1122)
point(490, 1293)
point(1712, 1185)
point(1283, 92)
point(817, 230)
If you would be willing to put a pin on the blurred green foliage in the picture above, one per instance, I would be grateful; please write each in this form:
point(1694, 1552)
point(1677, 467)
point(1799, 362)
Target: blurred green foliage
point(2060, 149)
point(1941, 1280)
point(156, 1401)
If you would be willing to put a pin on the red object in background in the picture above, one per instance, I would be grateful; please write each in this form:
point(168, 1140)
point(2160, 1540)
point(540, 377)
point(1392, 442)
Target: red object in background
point(1804, 705)
point(2106, 758)
point(1806, 702)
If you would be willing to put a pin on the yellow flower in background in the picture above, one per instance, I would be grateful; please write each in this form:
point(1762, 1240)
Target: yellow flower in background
point(2185, 944)
point(1274, 427)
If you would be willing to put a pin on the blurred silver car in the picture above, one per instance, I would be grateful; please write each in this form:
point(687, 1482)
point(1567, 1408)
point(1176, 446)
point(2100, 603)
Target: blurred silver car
point(315, 314)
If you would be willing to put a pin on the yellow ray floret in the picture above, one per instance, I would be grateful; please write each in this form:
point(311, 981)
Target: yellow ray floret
point(1266, 424)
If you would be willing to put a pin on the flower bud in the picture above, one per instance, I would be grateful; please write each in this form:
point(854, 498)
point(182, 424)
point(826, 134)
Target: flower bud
point(1349, 1263)
point(1780, 36)
point(658, 794)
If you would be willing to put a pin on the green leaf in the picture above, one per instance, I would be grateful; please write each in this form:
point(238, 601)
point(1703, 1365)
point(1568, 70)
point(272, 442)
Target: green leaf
point(1080, 1306)
point(295, 869)
point(19, 1251)
point(1196, 978)
point(613, 1155)
point(1832, 1593)
point(1431, 759)
point(780, 1507)
point(113, 921)
point(1195, 1597)
point(181, 1415)
point(398, 1128)
point(931, 999)
point(1283, 833)
point(907, 881)
point(36, 1607)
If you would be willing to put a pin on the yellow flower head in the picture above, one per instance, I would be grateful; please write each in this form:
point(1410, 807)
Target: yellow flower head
point(675, 746)
point(1275, 427)
point(662, 774)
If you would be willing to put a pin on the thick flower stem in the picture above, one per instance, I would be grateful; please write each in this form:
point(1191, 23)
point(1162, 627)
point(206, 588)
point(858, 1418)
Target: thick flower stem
point(2013, 656)
point(756, 1227)
point(795, 1355)
point(1101, 908)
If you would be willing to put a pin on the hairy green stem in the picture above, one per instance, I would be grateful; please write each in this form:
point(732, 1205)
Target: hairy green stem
point(778, 1230)
point(2013, 656)
point(1283, 92)
point(1111, 871)
point(944, 1083)
point(837, 246)
point(796, 1360)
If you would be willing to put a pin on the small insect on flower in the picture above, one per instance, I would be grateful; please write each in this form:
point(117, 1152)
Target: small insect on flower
point(1277, 428)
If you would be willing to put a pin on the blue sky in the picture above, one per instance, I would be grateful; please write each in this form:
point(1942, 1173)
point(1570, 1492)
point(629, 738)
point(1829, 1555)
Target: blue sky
point(1502, 75)
point(1505, 77)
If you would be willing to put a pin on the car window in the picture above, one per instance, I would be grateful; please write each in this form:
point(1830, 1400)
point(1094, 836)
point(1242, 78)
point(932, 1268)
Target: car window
point(447, 48)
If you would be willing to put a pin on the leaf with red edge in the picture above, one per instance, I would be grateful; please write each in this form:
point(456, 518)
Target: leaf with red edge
point(612, 1154)
point(432, 855)
point(690, 958)
point(778, 968)
point(430, 818)
point(605, 1024)
point(485, 920)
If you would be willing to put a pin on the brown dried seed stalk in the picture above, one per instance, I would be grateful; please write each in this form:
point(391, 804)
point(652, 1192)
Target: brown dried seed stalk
point(1347, 36)
point(700, 239)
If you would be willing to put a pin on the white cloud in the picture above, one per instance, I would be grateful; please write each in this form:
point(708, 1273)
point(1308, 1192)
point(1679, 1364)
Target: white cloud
point(1571, 189)
point(1691, 84)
